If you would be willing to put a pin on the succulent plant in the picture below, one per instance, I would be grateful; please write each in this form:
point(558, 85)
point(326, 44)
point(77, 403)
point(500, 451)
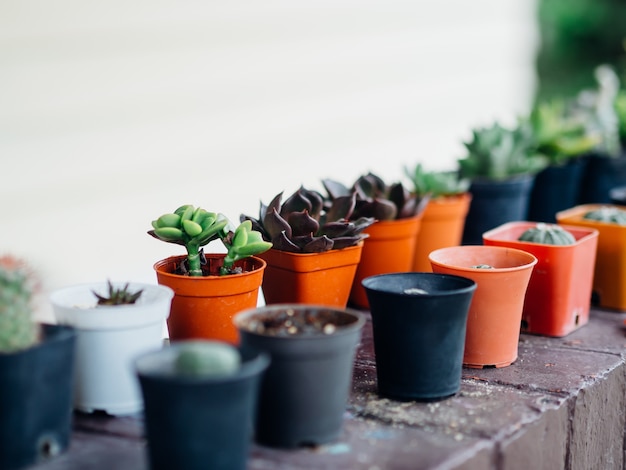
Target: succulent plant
point(560, 134)
point(548, 234)
point(118, 296)
point(200, 359)
point(376, 199)
point(620, 109)
point(436, 183)
point(304, 224)
point(482, 266)
point(18, 330)
point(608, 214)
point(194, 227)
point(498, 153)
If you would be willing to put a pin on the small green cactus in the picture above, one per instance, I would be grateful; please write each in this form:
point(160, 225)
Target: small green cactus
point(120, 296)
point(206, 359)
point(436, 183)
point(547, 234)
point(607, 214)
point(482, 266)
point(18, 329)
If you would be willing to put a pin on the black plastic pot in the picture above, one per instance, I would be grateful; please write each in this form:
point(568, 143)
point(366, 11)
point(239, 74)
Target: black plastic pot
point(495, 203)
point(198, 423)
point(305, 390)
point(602, 174)
point(618, 195)
point(419, 337)
point(556, 188)
point(36, 399)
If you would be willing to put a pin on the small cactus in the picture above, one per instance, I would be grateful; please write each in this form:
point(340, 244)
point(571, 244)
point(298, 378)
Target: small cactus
point(482, 266)
point(207, 359)
point(547, 234)
point(120, 296)
point(18, 329)
point(607, 214)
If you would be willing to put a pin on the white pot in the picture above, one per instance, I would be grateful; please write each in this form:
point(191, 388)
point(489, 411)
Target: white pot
point(109, 338)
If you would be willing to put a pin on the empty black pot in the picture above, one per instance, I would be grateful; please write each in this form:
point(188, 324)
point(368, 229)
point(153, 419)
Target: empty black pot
point(419, 321)
point(198, 423)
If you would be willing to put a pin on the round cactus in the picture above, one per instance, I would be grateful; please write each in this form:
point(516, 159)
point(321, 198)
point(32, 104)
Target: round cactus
point(608, 214)
point(547, 234)
point(207, 359)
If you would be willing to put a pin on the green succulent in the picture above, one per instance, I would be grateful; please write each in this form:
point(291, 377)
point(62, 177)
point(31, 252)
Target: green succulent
point(200, 359)
point(559, 134)
point(620, 109)
point(607, 214)
point(498, 153)
point(194, 227)
point(436, 183)
point(18, 330)
point(547, 234)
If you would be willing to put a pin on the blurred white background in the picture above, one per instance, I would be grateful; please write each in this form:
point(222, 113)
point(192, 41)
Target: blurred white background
point(112, 113)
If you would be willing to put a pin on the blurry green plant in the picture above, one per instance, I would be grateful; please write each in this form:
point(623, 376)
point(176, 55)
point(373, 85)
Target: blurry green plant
point(436, 183)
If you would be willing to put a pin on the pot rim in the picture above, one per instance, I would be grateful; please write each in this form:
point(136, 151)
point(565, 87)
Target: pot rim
point(469, 287)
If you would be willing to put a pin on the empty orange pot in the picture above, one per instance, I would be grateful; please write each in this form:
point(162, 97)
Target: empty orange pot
point(558, 297)
point(493, 324)
point(610, 267)
point(390, 248)
point(310, 278)
point(442, 226)
point(203, 307)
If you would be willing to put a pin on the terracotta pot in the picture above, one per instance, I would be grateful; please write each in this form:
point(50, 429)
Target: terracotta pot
point(493, 324)
point(390, 248)
point(442, 226)
point(310, 278)
point(610, 267)
point(203, 307)
point(558, 296)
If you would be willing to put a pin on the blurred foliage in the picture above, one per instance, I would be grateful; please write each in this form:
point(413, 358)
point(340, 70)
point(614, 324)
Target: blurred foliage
point(577, 36)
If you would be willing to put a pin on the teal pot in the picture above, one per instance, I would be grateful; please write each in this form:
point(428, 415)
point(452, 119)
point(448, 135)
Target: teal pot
point(305, 390)
point(419, 321)
point(556, 188)
point(602, 174)
point(198, 422)
point(36, 399)
point(495, 203)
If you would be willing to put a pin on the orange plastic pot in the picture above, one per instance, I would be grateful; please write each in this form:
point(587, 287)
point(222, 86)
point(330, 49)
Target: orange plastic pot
point(559, 291)
point(493, 324)
point(390, 248)
point(203, 307)
point(310, 278)
point(442, 226)
point(610, 268)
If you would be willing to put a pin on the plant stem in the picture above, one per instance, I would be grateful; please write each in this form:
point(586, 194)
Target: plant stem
point(193, 257)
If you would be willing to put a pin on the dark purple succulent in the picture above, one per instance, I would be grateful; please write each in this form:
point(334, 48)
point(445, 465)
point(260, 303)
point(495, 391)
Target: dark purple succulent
point(376, 199)
point(305, 223)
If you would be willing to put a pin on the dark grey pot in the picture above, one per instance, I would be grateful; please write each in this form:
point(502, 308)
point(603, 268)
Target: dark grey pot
point(305, 390)
point(419, 339)
point(198, 423)
point(36, 399)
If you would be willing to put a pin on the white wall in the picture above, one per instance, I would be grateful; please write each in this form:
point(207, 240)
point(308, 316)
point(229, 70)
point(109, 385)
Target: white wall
point(112, 113)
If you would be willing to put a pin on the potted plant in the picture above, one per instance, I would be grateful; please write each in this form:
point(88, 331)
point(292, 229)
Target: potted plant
point(316, 248)
point(606, 165)
point(305, 389)
point(444, 215)
point(36, 370)
point(502, 275)
point(114, 322)
point(565, 140)
point(390, 245)
point(200, 400)
point(610, 267)
point(559, 292)
point(419, 321)
point(501, 165)
point(208, 288)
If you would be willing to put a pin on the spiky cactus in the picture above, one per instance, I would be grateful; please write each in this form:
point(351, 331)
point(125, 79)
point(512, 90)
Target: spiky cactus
point(118, 296)
point(547, 234)
point(18, 329)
